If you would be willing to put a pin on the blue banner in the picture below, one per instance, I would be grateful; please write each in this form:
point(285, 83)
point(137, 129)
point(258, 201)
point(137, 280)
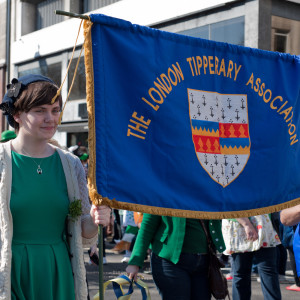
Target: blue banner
point(188, 127)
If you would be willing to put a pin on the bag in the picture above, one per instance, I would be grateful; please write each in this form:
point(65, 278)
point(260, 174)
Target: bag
point(217, 281)
point(118, 287)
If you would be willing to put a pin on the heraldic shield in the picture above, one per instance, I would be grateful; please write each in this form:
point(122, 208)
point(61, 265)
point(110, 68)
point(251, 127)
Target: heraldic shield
point(220, 130)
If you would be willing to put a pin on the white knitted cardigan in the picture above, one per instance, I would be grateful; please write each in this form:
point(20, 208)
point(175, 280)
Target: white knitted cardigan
point(77, 189)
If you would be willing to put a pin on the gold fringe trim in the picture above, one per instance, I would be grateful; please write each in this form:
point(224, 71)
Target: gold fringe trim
point(88, 61)
point(191, 214)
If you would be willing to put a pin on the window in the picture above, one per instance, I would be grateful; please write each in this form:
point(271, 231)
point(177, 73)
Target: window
point(77, 138)
point(229, 31)
point(52, 67)
point(280, 40)
point(78, 89)
point(49, 67)
point(45, 13)
point(82, 111)
point(95, 4)
point(199, 32)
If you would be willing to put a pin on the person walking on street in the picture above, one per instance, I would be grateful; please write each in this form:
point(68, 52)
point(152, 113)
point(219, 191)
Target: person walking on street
point(246, 239)
point(44, 203)
point(179, 258)
point(291, 217)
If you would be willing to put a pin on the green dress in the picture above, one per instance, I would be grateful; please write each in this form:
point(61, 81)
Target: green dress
point(41, 267)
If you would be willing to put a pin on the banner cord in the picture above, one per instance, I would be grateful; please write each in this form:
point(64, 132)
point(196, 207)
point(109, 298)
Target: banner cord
point(67, 72)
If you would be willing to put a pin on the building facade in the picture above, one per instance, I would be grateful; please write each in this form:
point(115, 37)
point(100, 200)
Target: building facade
point(41, 41)
point(4, 51)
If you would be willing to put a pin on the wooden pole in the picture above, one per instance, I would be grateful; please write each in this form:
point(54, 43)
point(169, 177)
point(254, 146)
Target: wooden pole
point(100, 227)
point(100, 246)
point(72, 15)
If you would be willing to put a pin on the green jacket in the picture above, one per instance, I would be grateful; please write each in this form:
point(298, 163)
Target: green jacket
point(166, 236)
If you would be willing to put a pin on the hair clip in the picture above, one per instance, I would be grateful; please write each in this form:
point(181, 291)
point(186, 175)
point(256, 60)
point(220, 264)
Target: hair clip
point(5, 108)
point(13, 89)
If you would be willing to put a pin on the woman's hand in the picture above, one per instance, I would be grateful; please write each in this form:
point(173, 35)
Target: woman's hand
point(100, 214)
point(94, 250)
point(251, 232)
point(132, 271)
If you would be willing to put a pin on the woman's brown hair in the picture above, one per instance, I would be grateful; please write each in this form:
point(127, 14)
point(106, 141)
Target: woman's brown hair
point(35, 94)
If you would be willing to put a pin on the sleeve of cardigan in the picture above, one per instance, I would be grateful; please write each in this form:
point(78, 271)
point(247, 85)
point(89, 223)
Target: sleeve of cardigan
point(83, 189)
point(145, 235)
point(86, 206)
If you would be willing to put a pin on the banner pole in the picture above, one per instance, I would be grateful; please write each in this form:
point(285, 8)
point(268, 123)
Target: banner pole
point(100, 246)
point(72, 15)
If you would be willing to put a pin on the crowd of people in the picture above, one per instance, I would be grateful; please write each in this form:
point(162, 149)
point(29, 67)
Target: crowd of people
point(46, 217)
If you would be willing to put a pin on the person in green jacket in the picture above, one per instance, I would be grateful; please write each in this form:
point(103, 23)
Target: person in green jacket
point(179, 259)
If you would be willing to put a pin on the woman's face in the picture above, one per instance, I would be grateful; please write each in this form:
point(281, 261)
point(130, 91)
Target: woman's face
point(40, 122)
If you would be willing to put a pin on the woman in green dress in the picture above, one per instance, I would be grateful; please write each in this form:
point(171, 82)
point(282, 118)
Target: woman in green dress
point(41, 255)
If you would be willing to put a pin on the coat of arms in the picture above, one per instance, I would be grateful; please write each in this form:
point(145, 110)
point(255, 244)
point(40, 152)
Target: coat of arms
point(220, 130)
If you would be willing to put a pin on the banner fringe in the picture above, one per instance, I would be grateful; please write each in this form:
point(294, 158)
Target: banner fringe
point(88, 61)
point(192, 214)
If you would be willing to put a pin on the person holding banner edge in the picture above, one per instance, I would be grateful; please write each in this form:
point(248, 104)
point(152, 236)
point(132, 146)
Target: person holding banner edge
point(179, 259)
point(42, 189)
point(291, 217)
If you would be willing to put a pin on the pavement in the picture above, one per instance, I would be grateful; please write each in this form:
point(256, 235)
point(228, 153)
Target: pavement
point(115, 267)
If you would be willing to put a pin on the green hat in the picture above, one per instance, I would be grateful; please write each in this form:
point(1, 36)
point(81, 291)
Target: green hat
point(84, 156)
point(7, 135)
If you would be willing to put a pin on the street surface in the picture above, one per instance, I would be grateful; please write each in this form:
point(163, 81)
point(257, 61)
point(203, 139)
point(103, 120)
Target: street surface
point(115, 267)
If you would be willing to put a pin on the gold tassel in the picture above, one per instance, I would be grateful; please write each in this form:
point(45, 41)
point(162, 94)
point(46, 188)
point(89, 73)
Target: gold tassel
point(74, 75)
point(59, 90)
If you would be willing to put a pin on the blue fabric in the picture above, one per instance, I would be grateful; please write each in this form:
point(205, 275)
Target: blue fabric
point(286, 235)
point(143, 291)
point(151, 89)
point(265, 259)
point(117, 288)
point(296, 248)
point(186, 280)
